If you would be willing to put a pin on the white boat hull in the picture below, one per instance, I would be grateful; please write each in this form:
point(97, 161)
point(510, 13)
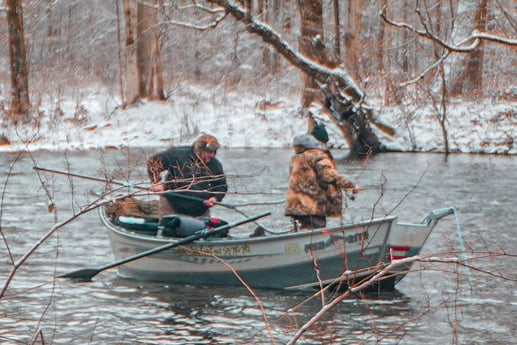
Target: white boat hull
point(343, 255)
point(407, 240)
point(280, 261)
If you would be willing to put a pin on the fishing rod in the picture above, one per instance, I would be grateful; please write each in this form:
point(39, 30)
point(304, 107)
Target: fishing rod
point(233, 207)
point(177, 193)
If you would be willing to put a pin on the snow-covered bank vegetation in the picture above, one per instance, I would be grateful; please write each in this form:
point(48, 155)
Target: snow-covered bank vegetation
point(97, 121)
point(245, 78)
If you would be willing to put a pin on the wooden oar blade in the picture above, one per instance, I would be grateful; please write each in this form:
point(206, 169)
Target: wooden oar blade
point(81, 275)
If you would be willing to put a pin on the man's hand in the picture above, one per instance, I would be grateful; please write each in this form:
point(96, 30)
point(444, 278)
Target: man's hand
point(158, 187)
point(357, 189)
point(210, 202)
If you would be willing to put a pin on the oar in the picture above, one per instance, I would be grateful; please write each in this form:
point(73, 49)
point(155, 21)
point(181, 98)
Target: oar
point(86, 274)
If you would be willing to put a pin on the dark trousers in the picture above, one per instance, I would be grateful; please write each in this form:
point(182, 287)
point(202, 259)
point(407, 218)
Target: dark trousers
point(166, 208)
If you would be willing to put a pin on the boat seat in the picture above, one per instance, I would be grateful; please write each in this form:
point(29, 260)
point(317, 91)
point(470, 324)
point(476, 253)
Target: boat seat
point(183, 226)
point(148, 226)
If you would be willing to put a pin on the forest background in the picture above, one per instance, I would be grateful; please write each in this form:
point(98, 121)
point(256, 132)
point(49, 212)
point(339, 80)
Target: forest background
point(382, 75)
point(422, 75)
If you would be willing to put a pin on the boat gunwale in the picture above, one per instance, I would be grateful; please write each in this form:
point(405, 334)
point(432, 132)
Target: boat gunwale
point(349, 227)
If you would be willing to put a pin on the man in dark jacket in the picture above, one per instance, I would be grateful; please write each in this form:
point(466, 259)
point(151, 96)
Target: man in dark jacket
point(193, 175)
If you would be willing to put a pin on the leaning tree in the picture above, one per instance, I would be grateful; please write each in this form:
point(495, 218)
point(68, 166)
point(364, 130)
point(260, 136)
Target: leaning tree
point(343, 98)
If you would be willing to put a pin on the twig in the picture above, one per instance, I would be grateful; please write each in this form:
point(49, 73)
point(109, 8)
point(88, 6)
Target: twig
point(243, 282)
point(11, 166)
point(55, 228)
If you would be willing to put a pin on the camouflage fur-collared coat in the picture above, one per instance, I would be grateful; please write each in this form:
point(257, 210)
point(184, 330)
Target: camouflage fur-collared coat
point(315, 185)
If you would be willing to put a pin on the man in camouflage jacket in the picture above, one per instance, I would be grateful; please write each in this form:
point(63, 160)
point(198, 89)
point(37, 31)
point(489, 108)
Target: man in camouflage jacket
point(315, 185)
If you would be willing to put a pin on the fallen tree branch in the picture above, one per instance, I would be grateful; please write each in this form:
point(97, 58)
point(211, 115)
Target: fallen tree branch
point(270, 36)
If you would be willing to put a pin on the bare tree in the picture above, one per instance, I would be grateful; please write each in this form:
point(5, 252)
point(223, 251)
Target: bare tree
point(353, 38)
point(20, 103)
point(143, 67)
point(132, 83)
point(386, 40)
point(337, 29)
point(341, 94)
point(311, 44)
point(470, 79)
point(464, 73)
point(466, 45)
point(270, 11)
point(119, 57)
point(149, 52)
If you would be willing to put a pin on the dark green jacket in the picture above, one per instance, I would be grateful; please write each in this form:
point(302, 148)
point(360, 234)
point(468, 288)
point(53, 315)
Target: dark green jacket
point(188, 175)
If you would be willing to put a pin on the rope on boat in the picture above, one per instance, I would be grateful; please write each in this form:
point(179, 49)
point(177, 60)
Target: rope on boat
point(462, 246)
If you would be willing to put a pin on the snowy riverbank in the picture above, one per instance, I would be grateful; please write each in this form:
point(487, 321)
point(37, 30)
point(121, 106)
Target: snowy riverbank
point(96, 122)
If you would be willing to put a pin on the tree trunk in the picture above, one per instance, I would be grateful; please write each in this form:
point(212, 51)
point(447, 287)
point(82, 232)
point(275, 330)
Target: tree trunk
point(121, 77)
point(470, 80)
point(386, 57)
point(337, 30)
point(143, 67)
point(311, 44)
point(20, 103)
point(271, 13)
point(131, 66)
point(148, 51)
point(353, 37)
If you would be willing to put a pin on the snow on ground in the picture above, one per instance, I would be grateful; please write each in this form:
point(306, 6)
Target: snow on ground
point(472, 128)
point(96, 122)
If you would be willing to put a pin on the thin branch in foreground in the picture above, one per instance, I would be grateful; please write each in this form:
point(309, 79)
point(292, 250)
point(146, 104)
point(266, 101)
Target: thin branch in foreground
point(243, 282)
point(47, 235)
point(362, 286)
point(24, 258)
point(2, 198)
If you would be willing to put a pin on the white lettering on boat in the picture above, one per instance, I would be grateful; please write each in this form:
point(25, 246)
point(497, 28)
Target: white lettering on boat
point(211, 250)
point(291, 249)
point(358, 237)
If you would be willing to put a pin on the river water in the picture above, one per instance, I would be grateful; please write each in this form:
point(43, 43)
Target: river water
point(435, 304)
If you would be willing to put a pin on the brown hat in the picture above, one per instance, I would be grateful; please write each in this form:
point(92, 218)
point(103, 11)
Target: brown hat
point(206, 142)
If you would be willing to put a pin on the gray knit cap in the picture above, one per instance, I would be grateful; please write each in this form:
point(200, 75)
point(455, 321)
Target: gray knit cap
point(306, 141)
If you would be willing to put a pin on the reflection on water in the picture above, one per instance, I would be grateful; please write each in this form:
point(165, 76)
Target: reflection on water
point(170, 314)
point(434, 305)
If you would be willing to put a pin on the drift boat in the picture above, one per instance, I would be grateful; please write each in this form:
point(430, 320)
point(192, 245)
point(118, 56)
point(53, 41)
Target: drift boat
point(340, 256)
